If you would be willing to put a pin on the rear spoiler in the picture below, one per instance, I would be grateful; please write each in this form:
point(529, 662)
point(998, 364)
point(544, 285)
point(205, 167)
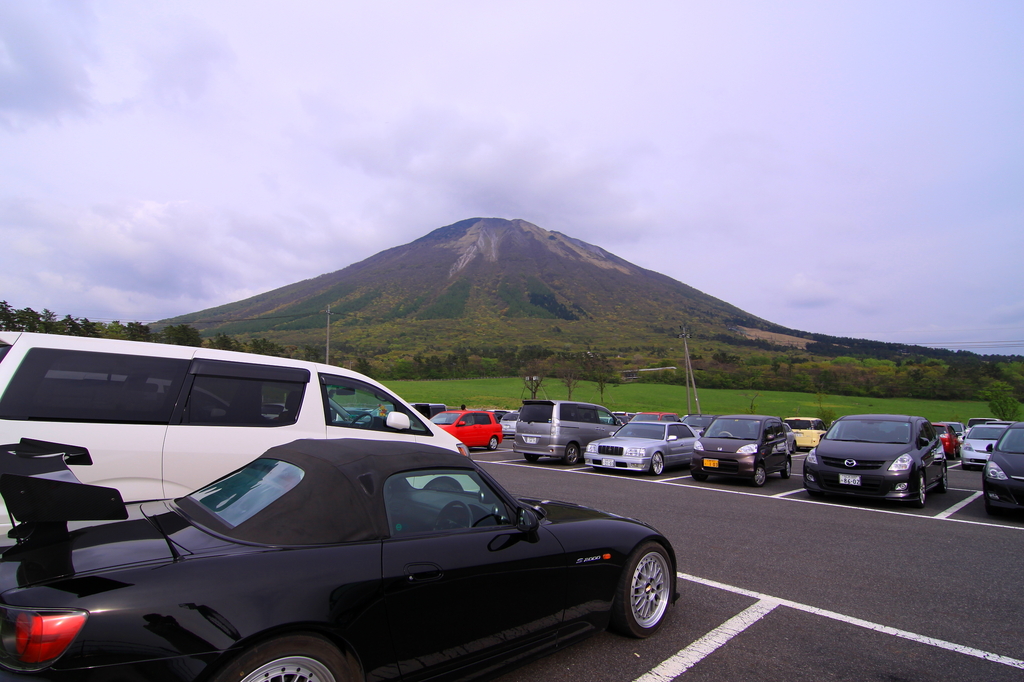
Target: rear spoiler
point(42, 493)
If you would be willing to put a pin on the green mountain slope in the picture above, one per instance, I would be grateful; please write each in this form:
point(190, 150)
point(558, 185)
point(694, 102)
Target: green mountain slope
point(482, 281)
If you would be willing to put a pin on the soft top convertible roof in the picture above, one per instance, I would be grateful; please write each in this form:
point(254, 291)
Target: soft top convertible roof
point(339, 498)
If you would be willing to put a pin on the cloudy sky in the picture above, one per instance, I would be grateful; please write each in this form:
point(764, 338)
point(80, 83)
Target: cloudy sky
point(850, 167)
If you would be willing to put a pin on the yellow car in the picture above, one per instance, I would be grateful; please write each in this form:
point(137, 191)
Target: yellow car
point(807, 431)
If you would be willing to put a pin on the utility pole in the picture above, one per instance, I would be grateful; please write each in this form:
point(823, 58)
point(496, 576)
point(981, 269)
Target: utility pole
point(690, 379)
point(327, 354)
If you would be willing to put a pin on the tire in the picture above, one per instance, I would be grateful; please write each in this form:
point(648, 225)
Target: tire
point(922, 494)
point(572, 454)
point(943, 485)
point(657, 464)
point(699, 476)
point(304, 657)
point(530, 458)
point(492, 444)
point(788, 469)
point(644, 592)
point(760, 475)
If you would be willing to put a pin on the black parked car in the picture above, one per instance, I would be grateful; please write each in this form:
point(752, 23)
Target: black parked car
point(322, 560)
point(886, 456)
point(747, 446)
point(1003, 481)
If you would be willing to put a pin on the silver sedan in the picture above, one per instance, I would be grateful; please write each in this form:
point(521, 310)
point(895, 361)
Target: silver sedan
point(644, 446)
point(508, 425)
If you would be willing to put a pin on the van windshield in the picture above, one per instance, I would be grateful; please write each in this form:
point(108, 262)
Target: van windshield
point(536, 413)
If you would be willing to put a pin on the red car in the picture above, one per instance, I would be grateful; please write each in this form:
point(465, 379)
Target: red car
point(475, 428)
point(950, 442)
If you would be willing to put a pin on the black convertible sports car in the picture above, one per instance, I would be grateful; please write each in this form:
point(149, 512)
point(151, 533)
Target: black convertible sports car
point(320, 560)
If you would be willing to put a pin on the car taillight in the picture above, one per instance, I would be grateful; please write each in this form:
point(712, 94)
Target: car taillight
point(32, 640)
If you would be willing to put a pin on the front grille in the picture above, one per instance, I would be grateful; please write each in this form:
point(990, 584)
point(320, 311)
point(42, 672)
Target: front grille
point(870, 485)
point(609, 450)
point(861, 463)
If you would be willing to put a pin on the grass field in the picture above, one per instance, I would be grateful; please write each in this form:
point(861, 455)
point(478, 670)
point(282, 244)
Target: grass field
point(508, 393)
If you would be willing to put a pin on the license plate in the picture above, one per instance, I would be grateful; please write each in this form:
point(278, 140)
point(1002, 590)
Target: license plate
point(531, 440)
point(711, 463)
point(849, 479)
point(607, 462)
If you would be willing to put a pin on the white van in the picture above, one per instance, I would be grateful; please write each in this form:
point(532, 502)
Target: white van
point(161, 421)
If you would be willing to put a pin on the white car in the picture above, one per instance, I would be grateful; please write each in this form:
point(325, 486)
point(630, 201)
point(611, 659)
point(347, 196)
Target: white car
point(508, 424)
point(160, 421)
point(978, 442)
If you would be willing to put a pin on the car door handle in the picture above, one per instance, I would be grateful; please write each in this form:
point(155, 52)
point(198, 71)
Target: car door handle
point(423, 572)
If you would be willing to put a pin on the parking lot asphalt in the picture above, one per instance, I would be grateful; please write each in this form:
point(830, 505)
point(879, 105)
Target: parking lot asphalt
point(776, 585)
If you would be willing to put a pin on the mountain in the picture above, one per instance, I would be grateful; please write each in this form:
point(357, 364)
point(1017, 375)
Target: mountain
point(485, 282)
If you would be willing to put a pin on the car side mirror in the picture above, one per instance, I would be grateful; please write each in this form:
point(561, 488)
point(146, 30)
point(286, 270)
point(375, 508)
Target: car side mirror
point(398, 421)
point(989, 447)
point(673, 437)
point(460, 423)
point(922, 442)
point(527, 521)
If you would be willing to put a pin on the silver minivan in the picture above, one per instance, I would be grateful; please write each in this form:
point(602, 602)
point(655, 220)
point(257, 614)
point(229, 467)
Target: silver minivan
point(560, 428)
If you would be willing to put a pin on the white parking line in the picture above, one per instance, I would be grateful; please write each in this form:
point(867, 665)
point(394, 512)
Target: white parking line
point(788, 492)
point(958, 506)
point(692, 655)
point(785, 497)
point(850, 620)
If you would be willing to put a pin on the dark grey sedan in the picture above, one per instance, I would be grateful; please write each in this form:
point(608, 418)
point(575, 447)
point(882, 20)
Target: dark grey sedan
point(644, 446)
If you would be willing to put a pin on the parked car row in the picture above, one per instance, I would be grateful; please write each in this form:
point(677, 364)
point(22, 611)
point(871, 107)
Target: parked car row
point(878, 456)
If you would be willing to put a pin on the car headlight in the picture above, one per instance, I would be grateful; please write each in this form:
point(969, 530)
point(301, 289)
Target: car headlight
point(902, 463)
point(993, 471)
point(635, 452)
point(748, 449)
point(697, 447)
point(967, 446)
point(812, 457)
point(592, 448)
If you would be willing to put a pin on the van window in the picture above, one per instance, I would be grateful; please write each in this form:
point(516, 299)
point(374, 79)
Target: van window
point(352, 404)
point(569, 412)
point(606, 417)
point(587, 414)
point(539, 413)
point(53, 384)
point(229, 401)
